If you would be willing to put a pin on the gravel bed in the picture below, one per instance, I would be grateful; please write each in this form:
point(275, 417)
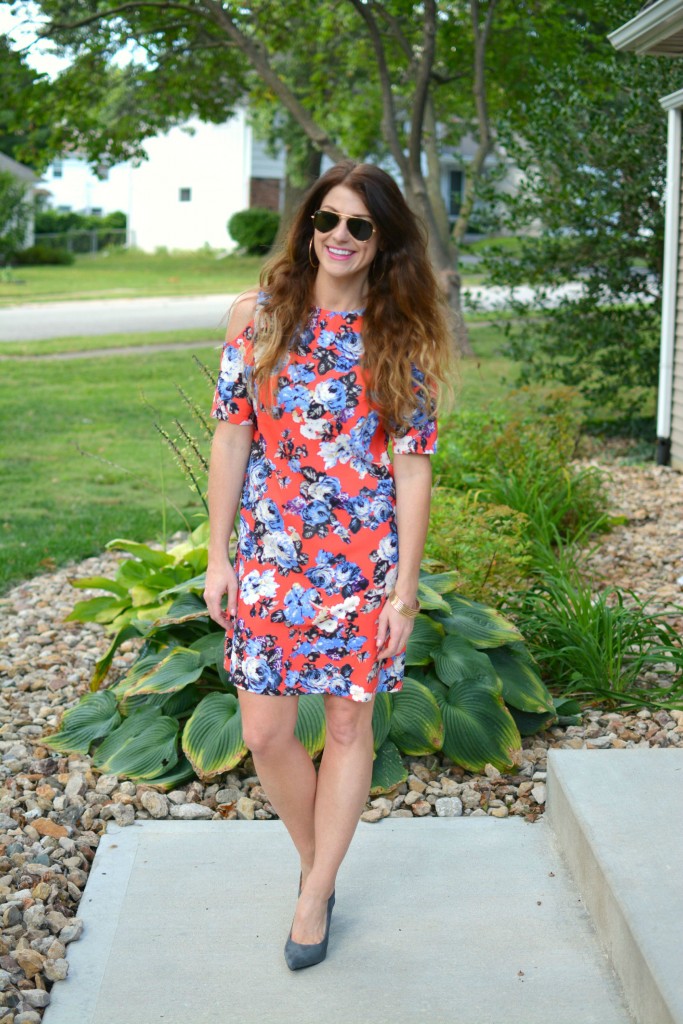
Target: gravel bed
point(53, 809)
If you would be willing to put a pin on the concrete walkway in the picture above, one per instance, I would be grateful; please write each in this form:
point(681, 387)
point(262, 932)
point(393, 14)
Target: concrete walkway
point(442, 921)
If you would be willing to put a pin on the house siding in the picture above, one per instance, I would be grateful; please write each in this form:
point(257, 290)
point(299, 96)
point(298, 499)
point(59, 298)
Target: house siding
point(677, 384)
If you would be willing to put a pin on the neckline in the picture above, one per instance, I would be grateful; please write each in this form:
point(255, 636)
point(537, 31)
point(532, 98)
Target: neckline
point(338, 312)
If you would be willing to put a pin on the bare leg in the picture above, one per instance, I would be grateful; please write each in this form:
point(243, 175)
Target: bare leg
point(283, 765)
point(343, 784)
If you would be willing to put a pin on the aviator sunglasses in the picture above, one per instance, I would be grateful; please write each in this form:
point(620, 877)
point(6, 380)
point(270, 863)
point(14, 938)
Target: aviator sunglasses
point(360, 228)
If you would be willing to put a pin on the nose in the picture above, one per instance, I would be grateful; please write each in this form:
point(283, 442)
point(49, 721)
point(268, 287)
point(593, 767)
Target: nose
point(341, 232)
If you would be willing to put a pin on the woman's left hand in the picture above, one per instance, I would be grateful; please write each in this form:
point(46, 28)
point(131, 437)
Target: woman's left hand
point(393, 632)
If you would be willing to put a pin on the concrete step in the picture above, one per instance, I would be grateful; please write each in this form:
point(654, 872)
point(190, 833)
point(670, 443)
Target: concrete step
point(618, 818)
point(467, 920)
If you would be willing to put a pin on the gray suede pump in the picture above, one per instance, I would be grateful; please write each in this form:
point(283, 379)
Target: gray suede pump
point(300, 954)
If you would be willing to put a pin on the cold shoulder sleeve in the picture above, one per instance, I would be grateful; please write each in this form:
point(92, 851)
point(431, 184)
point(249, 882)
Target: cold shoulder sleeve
point(420, 437)
point(232, 400)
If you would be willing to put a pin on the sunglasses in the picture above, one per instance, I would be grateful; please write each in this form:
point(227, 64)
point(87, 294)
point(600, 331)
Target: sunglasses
point(360, 228)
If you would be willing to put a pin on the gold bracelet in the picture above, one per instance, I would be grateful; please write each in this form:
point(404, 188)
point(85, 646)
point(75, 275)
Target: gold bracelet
point(400, 606)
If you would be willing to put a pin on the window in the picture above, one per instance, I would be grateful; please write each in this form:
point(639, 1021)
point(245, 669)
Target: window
point(56, 168)
point(455, 183)
point(185, 195)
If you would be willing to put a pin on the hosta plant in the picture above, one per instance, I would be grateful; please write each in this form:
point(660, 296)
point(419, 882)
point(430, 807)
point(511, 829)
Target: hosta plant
point(471, 688)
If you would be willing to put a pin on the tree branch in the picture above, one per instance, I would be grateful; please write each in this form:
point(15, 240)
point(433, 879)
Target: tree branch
point(259, 60)
point(423, 76)
point(164, 5)
point(388, 109)
point(485, 145)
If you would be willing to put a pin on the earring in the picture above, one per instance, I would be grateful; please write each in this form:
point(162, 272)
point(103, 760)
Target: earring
point(310, 255)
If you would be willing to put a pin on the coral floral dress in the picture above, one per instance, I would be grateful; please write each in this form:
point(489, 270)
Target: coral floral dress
point(317, 551)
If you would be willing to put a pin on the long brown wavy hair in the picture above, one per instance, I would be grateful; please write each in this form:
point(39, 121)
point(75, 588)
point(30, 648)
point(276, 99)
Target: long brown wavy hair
point(405, 322)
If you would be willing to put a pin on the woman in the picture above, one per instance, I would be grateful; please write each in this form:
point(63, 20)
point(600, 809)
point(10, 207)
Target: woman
point(343, 350)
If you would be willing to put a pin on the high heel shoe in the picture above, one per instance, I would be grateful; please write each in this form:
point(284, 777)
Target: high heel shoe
point(301, 954)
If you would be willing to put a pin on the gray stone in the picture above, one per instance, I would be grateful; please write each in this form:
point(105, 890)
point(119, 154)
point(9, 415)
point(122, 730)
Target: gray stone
point(448, 807)
point(193, 812)
point(72, 931)
point(124, 814)
point(5, 980)
point(230, 795)
point(156, 803)
point(27, 1017)
point(55, 970)
point(36, 997)
point(245, 808)
point(538, 792)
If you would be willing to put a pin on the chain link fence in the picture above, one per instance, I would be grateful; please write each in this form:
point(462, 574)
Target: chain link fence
point(82, 240)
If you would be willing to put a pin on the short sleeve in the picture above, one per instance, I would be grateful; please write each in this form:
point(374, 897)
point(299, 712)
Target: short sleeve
point(232, 401)
point(421, 436)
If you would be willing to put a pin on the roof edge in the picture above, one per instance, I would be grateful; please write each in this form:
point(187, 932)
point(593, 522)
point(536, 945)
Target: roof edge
point(649, 27)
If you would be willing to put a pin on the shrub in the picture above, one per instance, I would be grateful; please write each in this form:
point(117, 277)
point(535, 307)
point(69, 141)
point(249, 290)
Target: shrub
point(254, 230)
point(595, 647)
point(523, 459)
point(486, 545)
point(43, 255)
point(470, 687)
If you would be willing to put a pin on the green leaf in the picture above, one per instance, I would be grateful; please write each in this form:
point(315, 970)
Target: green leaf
point(99, 583)
point(528, 723)
point(478, 728)
point(102, 666)
point(147, 555)
point(388, 769)
point(143, 746)
point(183, 609)
point(212, 737)
point(456, 660)
point(177, 669)
point(196, 583)
point(482, 625)
point(96, 609)
point(94, 716)
point(522, 685)
point(441, 582)
point(430, 599)
point(426, 635)
point(381, 719)
point(310, 723)
point(178, 776)
point(416, 725)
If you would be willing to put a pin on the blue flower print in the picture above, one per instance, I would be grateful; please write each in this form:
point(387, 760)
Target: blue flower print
point(336, 575)
point(331, 394)
point(257, 585)
point(301, 373)
point(267, 512)
point(258, 674)
point(299, 605)
point(281, 548)
point(293, 396)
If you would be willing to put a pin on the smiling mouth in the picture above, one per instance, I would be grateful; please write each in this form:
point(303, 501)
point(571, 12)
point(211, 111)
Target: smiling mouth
point(339, 254)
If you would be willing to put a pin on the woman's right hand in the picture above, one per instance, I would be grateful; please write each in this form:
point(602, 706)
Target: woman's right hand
point(221, 579)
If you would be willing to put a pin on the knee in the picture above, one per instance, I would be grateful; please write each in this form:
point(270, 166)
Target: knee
point(263, 738)
point(348, 729)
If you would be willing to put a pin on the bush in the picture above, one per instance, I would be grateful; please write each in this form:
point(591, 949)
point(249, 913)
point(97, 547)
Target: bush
point(254, 230)
point(523, 460)
point(43, 255)
point(485, 544)
point(470, 690)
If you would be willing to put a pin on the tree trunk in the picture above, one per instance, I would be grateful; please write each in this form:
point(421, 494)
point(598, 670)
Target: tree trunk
point(299, 176)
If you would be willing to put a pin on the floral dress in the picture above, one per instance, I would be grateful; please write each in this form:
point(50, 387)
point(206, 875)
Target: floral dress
point(317, 551)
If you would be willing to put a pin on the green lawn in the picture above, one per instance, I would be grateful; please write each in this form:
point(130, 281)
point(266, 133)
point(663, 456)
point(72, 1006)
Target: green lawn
point(84, 462)
point(126, 274)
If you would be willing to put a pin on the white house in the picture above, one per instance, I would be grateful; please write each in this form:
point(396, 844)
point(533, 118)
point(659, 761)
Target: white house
point(657, 29)
point(182, 196)
point(29, 179)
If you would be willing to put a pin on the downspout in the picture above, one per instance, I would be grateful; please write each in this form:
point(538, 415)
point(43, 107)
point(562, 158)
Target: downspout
point(669, 284)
